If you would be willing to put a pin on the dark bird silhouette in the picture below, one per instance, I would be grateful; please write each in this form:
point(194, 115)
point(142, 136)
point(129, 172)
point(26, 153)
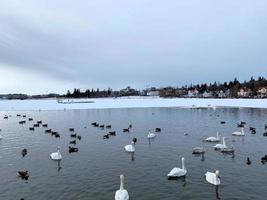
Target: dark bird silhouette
point(23, 174)
point(48, 131)
point(157, 129)
point(73, 142)
point(73, 135)
point(248, 161)
point(24, 152)
point(134, 140)
point(106, 136)
point(126, 130)
point(113, 133)
point(73, 149)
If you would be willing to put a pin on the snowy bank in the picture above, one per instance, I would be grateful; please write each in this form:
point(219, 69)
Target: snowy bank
point(132, 102)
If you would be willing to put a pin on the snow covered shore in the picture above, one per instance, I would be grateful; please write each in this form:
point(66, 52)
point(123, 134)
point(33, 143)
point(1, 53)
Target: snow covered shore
point(132, 102)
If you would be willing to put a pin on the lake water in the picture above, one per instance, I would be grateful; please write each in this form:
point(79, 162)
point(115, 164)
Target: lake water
point(93, 172)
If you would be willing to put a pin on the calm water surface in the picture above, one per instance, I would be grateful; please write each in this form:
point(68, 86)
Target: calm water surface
point(93, 172)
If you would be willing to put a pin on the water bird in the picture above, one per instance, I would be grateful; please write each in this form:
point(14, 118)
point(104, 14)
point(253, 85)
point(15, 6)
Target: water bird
point(108, 126)
point(113, 133)
point(186, 134)
point(18, 115)
point(30, 119)
point(151, 135)
point(102, 126)
point(73, 149)
point(130, 126)
point(213, 139)
point(73, 135)
point(94, 123)
point(57, 135)
point(56, 155)
point(71, 129)
point(265, 126)
point(178, 172)
point(36, 125)
point(198, 150)
point(22, 122)
point(53, 133)
point(48, 131)
point(237, 133)
point(106, 136)
point(131, 147)
point(220, 146)
point(23, 174)
point(73, 142)
point(265, 134)
point(39, 122)
point(264, 159)
point(45, 125)
point(157, 129)
point(223, 122)
point(213, 178)
point(121, 194)
point(248, 161)
point(31, 128)
point(79, 137)
point(251, 128)
point(126, 130)
point(5, 117)
point(24, 152)
point(24, 116)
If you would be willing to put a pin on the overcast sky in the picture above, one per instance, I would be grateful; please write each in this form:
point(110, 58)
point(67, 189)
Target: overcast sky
point(52, 46)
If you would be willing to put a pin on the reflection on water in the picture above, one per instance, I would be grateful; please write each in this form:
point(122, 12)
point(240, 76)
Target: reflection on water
point(92, 172)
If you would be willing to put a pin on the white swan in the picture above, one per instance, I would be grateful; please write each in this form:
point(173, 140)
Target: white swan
point(151, 135)
point(178, 172)
point(130, 147)
point(237, 133)
point(121, 194)
point(213, 139)
point(213, 178)
point(56, 155)
point(220, 146)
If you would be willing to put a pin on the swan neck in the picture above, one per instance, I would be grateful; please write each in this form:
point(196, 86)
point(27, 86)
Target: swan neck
point(224, 141)
point(183, 165)
point(122, 183)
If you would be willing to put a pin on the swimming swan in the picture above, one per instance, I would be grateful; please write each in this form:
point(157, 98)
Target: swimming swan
point(121, 194)
point(213, 178)
point(56, 155)
point(178, 172)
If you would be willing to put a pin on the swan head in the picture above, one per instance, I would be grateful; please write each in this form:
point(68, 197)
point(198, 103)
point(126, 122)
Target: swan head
point(217, 172)
point(134, 140)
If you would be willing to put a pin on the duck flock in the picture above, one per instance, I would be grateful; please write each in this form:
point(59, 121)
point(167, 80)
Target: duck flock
point(213, 178)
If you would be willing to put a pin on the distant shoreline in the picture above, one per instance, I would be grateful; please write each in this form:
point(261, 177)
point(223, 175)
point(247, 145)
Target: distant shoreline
point(130, 102)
